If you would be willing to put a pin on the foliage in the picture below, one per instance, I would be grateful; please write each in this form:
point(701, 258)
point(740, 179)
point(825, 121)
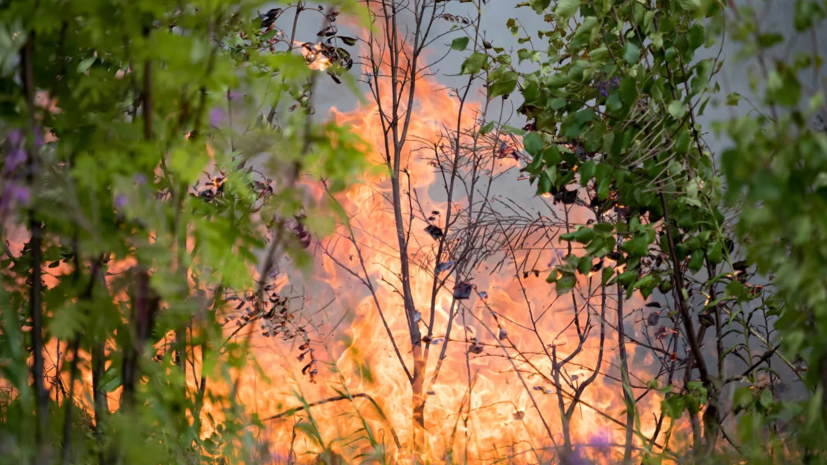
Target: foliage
point(613, 110)
point(137, 225)
point(775, 171)
point(133, 218)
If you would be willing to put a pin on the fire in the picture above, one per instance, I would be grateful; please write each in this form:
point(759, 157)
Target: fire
point(314, 56)
point(478, 410)
point(485, 412)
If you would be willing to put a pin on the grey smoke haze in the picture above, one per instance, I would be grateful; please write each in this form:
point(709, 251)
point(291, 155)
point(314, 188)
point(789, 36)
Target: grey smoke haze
point(774, 15)
point(734, 77)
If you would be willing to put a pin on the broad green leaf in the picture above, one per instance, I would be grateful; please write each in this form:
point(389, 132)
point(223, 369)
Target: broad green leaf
point(504, 85)
point(474, 63)
point(690, 5)
point(677, 109)
point(566, 9)
point(733, 98)
point(533, 143)
point(565, 283)
point(86, 63)
point(460, 43)
point(583, 235)
point(631, 53)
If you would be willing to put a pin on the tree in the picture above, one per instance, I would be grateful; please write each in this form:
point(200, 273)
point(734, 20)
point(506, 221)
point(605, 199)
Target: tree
point(118, 249)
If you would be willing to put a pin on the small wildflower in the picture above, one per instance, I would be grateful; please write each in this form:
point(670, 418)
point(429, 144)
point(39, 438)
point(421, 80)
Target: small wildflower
point(14, 137)
point(14, 192)
point(120, 201)
point(38, 137)
point(216, 115)
point(14, 159)
point(139, 179)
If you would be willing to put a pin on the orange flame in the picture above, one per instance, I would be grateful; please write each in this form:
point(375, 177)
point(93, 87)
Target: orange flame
point(497, 418)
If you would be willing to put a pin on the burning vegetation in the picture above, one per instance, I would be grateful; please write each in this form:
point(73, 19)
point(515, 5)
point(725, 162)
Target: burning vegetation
point(418, 279)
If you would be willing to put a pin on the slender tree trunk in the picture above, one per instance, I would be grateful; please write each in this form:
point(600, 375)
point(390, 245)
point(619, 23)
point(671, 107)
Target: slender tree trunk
point(99, 396)
point(565, 420)
point(36, 230)
point(711, 419)
point(628, 398)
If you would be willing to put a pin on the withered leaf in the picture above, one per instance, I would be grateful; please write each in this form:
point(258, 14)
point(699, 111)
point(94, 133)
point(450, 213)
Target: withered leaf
point(434, 231)
point(503, 334)
point(444, 266)
point(462, 291)
point(348, 40)
point(329, 31)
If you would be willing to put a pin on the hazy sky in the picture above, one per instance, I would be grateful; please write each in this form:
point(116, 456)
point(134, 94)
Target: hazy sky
point(774, 14)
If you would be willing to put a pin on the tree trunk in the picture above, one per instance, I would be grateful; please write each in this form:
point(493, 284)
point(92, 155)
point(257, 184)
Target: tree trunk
point(418, 403)
point(99, 396)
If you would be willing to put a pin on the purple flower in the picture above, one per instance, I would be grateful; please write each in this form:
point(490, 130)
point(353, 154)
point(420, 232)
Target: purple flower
point(15, 136)
point(14, 159)
point(139, 179)
point(120, 201)
point(38, 137)
point(234, 95)
point(616, 81)
point(216, 115)
point(14, 192)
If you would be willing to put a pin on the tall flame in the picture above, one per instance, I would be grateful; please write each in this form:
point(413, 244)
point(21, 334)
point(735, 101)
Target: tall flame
point(486, 413)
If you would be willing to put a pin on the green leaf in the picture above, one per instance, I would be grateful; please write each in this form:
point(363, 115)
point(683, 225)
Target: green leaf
point(628, 90)
point(613, 102)
point(604, 227)
point(584, 116)
point(695, 36)
point(770, 39)
point(583, 235)
point(566, 9)
point(460, 43)
point(503, 86)
point(565, 283)
point(86, 64)
point(733, 98)
point(474, 63)
point(690, 5)
point(552, 155)
point(765, 399)
point(743, 396)
point(608, 271)
point(111, 379)
point(643, 282)
point(631, 53)
point(586, 172)
point(807, 13)
point(558, 103)
point(673, 406)
point(736, 289)
point(487, 128)
point(696, 262)
point(544, 184)
point(783, 86)
point(714, 253)
point(533, 143)
point(677, 109)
